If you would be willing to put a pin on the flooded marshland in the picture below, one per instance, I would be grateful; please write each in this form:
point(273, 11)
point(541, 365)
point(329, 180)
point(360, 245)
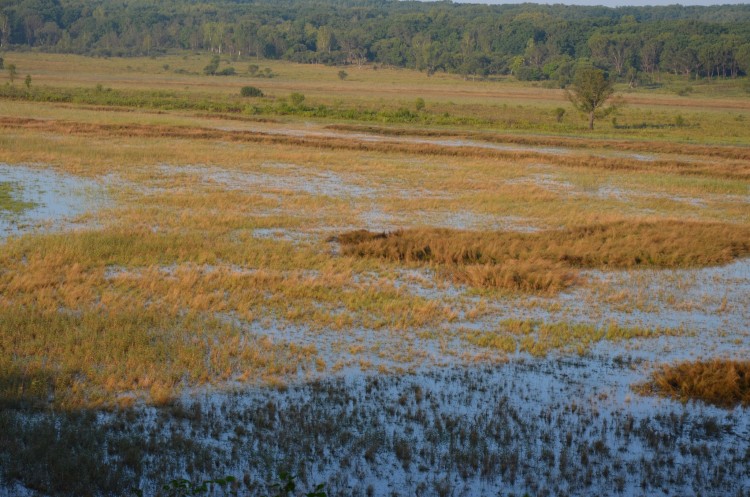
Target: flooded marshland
point(257, 343)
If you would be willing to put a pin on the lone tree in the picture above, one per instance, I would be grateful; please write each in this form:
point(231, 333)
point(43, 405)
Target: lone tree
point(591, 90)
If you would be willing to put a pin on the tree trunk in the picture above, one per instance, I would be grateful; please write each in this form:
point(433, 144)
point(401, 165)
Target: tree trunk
point(591, 120)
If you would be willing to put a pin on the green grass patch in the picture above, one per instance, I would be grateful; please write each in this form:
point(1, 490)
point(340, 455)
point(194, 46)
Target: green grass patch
point(171, 101)
point(539, 338)
point(9, 203)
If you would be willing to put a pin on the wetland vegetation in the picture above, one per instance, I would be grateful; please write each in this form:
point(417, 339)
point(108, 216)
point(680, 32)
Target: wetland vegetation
point(406, 280)
point(9, 202)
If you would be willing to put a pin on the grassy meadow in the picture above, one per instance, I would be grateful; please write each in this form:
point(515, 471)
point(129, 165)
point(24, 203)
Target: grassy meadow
point(275, 243)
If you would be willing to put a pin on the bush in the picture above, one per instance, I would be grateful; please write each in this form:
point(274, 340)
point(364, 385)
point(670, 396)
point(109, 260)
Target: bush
point(419, 104)
point(297, 99)
point(343, 75)
point(212, 67)
point(265, 73)
point(251, 91)
point(229, 71)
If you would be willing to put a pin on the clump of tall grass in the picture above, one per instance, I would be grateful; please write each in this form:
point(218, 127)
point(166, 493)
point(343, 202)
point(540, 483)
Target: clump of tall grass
point(546, 261)
point(721, 382)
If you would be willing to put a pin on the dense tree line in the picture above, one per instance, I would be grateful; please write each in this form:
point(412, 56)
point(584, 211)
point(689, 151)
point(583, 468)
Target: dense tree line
point(533, 42)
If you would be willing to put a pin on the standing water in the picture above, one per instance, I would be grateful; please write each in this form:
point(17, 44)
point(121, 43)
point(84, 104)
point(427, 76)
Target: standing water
point(33, 199)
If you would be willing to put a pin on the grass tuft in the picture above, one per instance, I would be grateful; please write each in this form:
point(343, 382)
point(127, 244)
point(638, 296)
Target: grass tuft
point(721, 382)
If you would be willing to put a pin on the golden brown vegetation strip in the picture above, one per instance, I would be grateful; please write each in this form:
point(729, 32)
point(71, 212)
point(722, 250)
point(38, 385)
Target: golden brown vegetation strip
point(721, 382)
point(203, 272)
point(725, 169)
point(657, 147)
point(544, 261)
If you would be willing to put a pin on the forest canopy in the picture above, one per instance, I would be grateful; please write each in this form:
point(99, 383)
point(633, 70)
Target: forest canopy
point(532, 42)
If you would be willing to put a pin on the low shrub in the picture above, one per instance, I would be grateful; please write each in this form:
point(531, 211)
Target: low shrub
point(251, 91)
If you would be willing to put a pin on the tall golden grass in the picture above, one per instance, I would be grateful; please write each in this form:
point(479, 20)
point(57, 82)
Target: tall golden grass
point(545, 261)
point(95, 357)
point(721, 382)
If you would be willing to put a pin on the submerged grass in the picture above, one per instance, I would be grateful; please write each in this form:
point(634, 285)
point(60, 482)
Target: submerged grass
point(721, 382)
point(9, 199)
point(545, 261)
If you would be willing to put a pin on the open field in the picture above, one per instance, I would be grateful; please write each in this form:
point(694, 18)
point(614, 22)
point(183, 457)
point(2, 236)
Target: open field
point(466, 299)
point(715, 112)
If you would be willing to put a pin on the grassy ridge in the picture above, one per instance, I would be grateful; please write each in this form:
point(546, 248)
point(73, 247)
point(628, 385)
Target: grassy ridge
point(545, 261)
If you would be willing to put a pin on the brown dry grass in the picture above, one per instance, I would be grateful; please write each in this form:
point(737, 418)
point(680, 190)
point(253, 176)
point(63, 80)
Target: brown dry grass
point(727, 169)
point(721, 382)
point(95, 356)
point(545, 261)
